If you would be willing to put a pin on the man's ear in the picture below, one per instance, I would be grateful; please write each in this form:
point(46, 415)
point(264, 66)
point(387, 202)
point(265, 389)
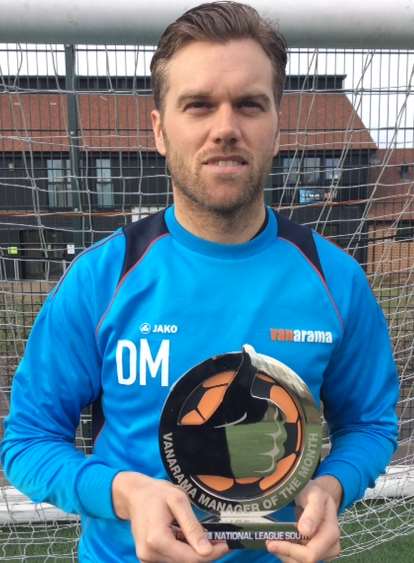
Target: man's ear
point(158, 133)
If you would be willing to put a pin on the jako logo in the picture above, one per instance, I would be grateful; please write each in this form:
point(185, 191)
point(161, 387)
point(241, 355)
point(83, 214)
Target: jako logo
point(165, 329)
point(301, 335)
point(146, 328)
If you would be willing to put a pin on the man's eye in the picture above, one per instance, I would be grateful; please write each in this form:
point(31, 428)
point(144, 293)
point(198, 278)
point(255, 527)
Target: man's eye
point(250, 105)
point(198, 106)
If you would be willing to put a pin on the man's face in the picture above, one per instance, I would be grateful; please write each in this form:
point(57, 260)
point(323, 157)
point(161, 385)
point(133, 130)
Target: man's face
point(219, 127)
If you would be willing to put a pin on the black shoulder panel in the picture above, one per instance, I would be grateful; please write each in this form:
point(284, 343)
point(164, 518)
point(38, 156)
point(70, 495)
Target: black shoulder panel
point(139, 236)
point(301, 236)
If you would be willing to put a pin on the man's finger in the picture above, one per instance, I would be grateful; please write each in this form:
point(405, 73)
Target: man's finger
point(159, 543)
point(324, 544)
point(314, 509)
point(194, 533)
point(174, 550)
point(288, 551)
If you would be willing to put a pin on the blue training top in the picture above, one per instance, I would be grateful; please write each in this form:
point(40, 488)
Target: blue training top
point(140, 308)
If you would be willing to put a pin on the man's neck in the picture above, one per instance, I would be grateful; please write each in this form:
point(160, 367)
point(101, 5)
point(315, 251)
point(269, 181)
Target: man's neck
point(234, 228)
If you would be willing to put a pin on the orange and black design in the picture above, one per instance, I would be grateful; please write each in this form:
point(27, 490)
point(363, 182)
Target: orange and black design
point(205, 402)
point(240, 431)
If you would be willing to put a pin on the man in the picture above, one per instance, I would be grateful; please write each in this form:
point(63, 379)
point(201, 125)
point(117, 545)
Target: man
point(218, 268)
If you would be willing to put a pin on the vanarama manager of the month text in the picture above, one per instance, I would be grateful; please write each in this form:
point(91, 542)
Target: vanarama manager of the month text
point(224, 270)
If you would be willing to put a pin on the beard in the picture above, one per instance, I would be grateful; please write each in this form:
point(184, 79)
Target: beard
point(227, 195)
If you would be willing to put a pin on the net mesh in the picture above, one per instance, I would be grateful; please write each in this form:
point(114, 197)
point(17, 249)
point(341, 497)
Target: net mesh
point(77, 160)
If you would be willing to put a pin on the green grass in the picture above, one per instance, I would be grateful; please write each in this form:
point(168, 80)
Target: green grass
point(389, 522)
point(39, 543)
point(399, 550)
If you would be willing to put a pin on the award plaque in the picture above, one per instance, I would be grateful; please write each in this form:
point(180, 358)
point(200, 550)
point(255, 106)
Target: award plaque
point(241, 435)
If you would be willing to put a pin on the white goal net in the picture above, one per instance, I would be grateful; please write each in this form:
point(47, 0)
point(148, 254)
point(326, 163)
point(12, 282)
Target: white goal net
point(77, 160)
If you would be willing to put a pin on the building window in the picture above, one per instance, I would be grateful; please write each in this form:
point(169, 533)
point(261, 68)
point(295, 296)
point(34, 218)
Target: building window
point(405, 231)
point(104, 186)
point(291, 171)
point(43, 254)
point(332, 171)
point(311, 171)
point(58, 183)
point(302, 171)
point(311, 195)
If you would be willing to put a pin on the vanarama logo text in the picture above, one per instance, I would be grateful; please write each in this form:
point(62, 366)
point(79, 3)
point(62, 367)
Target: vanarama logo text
point(301, 335)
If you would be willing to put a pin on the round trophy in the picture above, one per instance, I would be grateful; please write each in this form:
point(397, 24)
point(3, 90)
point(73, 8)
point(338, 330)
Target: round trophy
point(241, 435)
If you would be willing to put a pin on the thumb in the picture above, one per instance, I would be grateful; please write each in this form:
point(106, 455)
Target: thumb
point(312, 500)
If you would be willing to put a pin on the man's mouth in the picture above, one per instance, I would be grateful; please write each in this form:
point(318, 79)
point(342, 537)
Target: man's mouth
point(230, 163)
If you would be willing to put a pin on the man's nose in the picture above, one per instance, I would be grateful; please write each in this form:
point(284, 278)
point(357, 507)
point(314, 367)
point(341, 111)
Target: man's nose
point(226, 126)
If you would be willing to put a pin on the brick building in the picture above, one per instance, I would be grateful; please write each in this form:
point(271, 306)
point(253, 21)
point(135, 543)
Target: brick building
point(391, 215)
point(75, 166)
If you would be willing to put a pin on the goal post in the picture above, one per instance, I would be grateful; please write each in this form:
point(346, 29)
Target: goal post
point(317, 23)
point(77, 160)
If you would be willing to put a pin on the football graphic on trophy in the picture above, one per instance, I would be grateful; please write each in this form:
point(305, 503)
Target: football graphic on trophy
point(240, 433)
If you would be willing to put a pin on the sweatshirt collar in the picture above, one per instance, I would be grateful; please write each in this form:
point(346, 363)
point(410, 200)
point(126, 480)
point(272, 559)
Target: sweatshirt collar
point(221, 250)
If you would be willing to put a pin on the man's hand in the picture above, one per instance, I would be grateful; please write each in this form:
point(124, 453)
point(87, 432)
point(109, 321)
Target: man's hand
point(152, 506)
point(319, 502)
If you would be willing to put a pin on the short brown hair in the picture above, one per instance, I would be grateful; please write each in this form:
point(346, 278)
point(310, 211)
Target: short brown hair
point(219, 22)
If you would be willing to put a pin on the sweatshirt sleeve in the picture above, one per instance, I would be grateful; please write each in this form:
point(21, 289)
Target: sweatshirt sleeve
point(360, 390)
point(59, 376)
